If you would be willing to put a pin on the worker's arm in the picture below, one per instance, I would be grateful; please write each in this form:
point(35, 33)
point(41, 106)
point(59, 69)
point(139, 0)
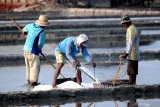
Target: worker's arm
point(24, 33)
point(131, 39)
point(41, 41)
point(87, 56)
point(25, 30)
point(69, 53)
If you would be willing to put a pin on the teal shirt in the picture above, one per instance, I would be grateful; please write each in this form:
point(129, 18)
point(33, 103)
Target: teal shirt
point(35, 38)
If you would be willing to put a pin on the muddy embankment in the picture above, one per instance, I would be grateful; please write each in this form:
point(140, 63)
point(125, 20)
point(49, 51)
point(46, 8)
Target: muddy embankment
point(64, 12)
point(101, 58)
point(57, 96)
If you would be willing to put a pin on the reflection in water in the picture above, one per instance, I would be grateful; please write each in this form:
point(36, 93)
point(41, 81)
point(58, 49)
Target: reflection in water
point(128, 103)
point(78, 104)
point(132, 103)
point(91, 105)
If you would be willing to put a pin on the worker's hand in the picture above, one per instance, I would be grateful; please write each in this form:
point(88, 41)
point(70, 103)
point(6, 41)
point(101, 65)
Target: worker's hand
point(93, 63)
point(123, 56)
point(24, 33)
point(76, 64)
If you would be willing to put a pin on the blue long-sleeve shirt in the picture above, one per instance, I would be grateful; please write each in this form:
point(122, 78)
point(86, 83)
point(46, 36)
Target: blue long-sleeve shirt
point(35, 38)
point(68, 47)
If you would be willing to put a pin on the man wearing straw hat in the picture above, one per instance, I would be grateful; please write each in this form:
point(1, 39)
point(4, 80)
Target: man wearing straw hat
point(35, 39)
point(132, 48)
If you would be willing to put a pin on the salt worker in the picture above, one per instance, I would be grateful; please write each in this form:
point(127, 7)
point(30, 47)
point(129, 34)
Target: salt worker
point(67, 50)
point(35, 40)
point(132, 48)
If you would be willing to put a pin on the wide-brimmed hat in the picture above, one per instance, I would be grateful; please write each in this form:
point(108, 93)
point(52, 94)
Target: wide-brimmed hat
point(42, 20)
point(125, 18)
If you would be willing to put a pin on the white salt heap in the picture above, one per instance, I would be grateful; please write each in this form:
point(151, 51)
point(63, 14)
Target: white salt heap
point(65, 85)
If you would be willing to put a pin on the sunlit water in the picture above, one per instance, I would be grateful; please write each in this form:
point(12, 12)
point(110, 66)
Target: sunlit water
point(13, 78)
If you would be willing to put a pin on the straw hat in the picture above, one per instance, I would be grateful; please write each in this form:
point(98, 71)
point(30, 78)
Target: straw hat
point(125, 19)
point(42, 21)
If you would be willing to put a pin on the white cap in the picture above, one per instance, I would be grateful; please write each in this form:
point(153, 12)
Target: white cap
point(81, 38)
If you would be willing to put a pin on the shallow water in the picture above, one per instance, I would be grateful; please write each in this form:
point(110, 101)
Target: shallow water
point(13, 78)
point(129, 103)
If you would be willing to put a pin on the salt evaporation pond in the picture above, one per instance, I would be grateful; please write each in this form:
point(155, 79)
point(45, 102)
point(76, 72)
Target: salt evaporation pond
point(13, 78)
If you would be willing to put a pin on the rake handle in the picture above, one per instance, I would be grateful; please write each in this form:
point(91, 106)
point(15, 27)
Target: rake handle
point(50, 63)
point(18, 26)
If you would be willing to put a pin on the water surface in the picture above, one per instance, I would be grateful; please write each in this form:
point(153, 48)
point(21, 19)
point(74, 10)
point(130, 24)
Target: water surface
point(13, 78)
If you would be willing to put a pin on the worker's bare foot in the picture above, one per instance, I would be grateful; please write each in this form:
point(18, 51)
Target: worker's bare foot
point(55, 86)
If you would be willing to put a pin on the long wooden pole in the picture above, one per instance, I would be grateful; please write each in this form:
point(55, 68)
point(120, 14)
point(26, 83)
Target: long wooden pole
point(51, 63)
point(18, 26)
point(82, 71)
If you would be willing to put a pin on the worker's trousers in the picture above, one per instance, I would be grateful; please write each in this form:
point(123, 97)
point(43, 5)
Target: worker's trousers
point(32, 62)
point(132, 71)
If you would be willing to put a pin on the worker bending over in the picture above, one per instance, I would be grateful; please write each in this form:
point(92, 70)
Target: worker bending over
point(67, 50)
